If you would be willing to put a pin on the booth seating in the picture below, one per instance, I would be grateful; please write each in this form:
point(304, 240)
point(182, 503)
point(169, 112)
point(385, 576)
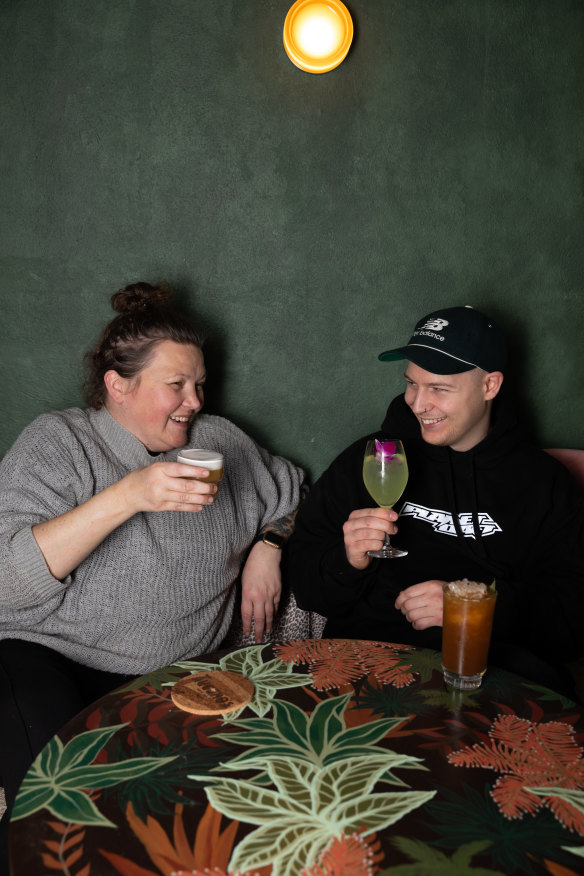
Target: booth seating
point(572, 459)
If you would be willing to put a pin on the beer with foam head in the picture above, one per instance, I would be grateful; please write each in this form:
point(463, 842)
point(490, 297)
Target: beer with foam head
point(212, 460)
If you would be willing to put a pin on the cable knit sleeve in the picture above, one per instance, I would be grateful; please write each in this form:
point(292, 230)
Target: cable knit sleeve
point(42, 476)
point(287, 480)
point(267, 487)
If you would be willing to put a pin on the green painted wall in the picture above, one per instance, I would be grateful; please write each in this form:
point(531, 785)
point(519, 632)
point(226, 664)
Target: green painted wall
point(307, 220)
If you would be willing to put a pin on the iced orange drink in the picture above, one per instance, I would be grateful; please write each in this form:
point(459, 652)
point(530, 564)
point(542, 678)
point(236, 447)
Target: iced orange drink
point(466, 632)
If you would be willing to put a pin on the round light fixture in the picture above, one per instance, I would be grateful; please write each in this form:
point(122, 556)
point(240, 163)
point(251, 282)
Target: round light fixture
point(318, 34)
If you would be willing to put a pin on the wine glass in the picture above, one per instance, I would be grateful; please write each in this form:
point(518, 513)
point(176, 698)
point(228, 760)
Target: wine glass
point(385, 474)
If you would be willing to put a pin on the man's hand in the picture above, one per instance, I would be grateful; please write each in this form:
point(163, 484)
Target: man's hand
point(365, 531)
point(261, 586)
point(422, 604)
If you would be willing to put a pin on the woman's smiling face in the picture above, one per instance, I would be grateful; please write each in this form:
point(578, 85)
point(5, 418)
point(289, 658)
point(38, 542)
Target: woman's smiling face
point(159, 405)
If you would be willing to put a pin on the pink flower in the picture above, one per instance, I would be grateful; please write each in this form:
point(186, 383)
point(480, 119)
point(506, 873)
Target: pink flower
point(385, 449)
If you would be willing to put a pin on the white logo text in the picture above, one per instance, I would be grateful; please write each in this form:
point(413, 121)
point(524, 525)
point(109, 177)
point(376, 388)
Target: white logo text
point(442, 521)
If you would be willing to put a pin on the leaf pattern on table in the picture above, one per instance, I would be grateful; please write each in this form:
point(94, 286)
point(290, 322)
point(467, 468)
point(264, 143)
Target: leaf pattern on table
point(447, 830)
point(158, 792)
point(210, 851)
point(450, 699)
point(294, 829)
point(267, 678)
point(319, 739)
point(156, 680)
point(575, 850)
point(529, 755)
point(462, 814)
point(216, 871)
point(337, 662)
point(566, 800)
point(323, 775)
point(424, 663)
point(65, 851)
point(426, 860)
point(61, 775)
point(377, 699)
point(546, 695)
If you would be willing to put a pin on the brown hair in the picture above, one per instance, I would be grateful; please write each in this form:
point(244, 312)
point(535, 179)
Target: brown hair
point(127, 342)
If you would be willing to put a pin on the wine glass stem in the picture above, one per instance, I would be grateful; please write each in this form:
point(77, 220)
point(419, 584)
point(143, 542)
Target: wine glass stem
point(386, 541)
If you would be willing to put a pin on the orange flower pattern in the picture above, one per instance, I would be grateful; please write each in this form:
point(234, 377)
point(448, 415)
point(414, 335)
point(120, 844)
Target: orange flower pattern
point(338, 662)
point(348, 854)
point(530, 755)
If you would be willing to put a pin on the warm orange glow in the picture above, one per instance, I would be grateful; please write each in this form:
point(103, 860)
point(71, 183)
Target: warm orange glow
point(317, 34)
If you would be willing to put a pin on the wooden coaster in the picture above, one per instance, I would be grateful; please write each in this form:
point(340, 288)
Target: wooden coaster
point(212, 692)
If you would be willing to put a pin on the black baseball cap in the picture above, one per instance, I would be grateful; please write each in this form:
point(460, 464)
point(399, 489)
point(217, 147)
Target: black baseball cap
point(453, 340)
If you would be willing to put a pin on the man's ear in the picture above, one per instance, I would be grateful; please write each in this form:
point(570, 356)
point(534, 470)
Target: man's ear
point(493, 383)
point(115, 385)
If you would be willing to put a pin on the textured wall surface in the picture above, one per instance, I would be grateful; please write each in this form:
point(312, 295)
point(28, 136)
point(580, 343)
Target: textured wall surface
point(308, 221)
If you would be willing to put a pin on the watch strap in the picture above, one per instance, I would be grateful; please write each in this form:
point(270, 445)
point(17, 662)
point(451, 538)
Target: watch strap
point(273, 539)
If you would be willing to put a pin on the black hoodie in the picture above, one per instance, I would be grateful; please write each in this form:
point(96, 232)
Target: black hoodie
point(504, 510)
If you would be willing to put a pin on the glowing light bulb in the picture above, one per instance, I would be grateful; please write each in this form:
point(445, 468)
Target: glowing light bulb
point(317, 31)
point(317, 35)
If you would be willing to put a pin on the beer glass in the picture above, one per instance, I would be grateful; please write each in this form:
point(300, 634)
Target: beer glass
point(209, 459)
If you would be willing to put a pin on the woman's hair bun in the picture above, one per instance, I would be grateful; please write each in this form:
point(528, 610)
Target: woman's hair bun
point(139, 295)
point(144, 318)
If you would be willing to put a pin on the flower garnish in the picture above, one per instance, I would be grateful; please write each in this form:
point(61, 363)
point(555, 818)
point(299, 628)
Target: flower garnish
point(385, 449)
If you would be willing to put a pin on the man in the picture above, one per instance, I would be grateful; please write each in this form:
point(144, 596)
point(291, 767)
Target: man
point(480, 503)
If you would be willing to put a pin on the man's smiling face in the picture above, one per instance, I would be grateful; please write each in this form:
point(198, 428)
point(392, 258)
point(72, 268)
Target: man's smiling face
point(453, 410)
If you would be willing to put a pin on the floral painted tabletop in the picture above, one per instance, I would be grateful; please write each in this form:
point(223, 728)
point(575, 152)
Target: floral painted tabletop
point(352, 758)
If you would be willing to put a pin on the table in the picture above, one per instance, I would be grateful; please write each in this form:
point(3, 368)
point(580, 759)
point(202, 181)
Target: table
point(352, 758)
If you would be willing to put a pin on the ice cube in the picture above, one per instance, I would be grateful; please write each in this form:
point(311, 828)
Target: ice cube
point(465, 589)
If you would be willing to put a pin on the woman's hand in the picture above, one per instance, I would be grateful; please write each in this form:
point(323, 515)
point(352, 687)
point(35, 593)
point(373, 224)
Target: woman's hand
point(422, 604)
point(261, 587)
point(164, 486)
point(365, 531)
point(67, 540)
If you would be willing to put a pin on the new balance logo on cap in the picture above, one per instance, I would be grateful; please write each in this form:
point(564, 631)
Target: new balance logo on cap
point(452, 341)
point(435, 324)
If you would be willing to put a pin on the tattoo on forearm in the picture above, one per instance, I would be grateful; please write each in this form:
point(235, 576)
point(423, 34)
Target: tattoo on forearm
point(283, 526)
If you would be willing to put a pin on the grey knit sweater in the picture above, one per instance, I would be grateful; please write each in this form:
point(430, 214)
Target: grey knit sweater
point(160, 587)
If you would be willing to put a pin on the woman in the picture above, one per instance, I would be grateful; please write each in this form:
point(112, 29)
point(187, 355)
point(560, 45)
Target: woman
point(113, 561)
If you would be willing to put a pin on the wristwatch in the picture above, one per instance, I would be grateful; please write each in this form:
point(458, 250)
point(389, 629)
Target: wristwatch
point(272, 539)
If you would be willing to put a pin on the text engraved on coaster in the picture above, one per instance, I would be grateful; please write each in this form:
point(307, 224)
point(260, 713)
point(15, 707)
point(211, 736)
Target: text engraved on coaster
point(212, 692)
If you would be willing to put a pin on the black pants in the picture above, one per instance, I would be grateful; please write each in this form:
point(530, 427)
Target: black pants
point(40, 691)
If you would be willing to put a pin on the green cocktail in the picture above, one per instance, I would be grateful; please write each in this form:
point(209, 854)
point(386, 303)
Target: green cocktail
point(385, 475)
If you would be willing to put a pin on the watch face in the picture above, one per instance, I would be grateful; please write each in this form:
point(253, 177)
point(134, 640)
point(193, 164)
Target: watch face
point(274, 540)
